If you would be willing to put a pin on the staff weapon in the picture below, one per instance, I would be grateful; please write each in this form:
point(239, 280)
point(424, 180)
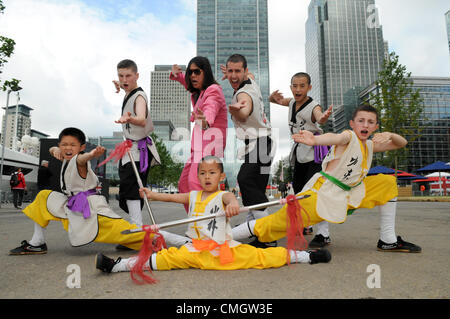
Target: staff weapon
point(133, 164)
point(157, 227)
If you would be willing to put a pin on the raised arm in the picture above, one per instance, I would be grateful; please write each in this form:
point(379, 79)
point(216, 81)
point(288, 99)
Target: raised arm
point(308, 138)
point(231, 204)
point(387, 141)
point(176, 74)
point(319, 116)
point(162, 197)
point(278, 98)
point(243, 108)
point(141, 114)
point(210, 108)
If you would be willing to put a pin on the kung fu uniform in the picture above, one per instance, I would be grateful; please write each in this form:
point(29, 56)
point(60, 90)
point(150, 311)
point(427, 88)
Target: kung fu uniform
point(301, 157)
point(344, 189)
point(143, 151)
point(213, 246)
point(254, 173)
point(97, 223)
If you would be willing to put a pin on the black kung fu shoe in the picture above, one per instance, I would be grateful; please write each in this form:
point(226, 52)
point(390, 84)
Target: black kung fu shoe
point(104, 263)
point(26, 249)
point(399, 246)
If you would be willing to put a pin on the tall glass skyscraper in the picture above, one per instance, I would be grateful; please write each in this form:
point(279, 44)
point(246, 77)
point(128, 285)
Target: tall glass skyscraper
point(447, 22)
point(344, 50)
point(225, 27)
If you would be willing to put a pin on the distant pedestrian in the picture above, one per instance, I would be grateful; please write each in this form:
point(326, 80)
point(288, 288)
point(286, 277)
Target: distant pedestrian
point(18, 187)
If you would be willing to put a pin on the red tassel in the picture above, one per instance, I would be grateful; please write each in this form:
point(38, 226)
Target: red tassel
point(149, 246)
point(295, 224)
point(119, 151)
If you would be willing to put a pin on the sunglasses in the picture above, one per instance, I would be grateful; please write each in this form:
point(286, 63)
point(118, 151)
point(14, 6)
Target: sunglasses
point(194, 71)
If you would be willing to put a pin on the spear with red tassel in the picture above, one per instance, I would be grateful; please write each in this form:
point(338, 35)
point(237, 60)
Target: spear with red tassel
point(149, 244)
point(120, 150)
point(294, 232)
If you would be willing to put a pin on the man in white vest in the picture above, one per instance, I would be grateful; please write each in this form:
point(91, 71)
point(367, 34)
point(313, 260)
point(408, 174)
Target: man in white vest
point(254, 129)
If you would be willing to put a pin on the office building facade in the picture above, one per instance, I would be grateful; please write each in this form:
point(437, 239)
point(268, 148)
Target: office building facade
point(344, 50)
point(226, 27)
point(447, 23)
point(16, 124)
point(433, 143)
point(169, 100)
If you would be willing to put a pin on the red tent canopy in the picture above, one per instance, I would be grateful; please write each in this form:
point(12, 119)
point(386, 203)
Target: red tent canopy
point(431, 179)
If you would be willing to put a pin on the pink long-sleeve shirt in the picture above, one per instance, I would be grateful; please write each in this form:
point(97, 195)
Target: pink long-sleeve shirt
point(211, 102)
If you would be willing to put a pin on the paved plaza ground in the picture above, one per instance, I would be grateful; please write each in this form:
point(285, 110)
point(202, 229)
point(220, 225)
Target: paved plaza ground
point(349, 275)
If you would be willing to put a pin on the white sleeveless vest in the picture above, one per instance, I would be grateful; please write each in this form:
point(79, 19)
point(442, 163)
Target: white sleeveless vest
point(135, 132)
point(257, 125)
point(354, 164)
point(301, 152)
point(217, 229)
point(81, 231)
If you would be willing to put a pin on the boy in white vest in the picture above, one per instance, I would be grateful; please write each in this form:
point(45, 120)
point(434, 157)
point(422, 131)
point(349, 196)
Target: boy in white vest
point(254, 129)
point(342, 184)
point(304, 114)
point(83, 212)
point(210, 243)
point(137, 126)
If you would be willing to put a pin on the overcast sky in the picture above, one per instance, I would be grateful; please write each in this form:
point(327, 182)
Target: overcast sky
point(67, 51)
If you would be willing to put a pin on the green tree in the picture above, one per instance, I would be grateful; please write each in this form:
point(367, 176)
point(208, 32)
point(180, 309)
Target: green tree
point(6, 50)
point(283, 164)
point(168, 172)
point(400, 107)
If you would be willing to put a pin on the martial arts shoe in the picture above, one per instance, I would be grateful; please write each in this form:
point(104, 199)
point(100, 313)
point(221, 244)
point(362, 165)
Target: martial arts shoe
point(26, 249)
point(123, 248)
point(104, 263)
point(399, 246)
point(307, 231)
point(319, 241)
point(319, 256)
point(256, 243)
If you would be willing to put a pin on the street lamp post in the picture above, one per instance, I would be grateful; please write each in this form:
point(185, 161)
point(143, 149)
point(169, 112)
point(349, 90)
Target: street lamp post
point(15, 89)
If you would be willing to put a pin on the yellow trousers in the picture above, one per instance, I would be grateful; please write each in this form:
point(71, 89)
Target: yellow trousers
point(379, 190)
point(109, 229)
point(245, 257)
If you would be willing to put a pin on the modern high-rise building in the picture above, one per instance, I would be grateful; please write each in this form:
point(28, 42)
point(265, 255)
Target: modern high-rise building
point(226, 27)
point(433, 143)
point(169, 100)
point(344, 50)
point(16, 125)
point(447, 22)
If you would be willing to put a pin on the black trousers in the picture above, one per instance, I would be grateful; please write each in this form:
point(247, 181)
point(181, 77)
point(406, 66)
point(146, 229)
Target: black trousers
point(129, 188)
point(254, 173)
point(303, 173)
point(17, 197)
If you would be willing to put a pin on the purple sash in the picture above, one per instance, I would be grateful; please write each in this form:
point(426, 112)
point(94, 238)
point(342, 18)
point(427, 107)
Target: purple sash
point(143, 149)
point(320, 151)
point(79, 203)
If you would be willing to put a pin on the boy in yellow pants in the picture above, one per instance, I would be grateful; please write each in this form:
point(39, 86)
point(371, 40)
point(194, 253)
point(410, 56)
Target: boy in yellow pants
point(84, 213)
point(342, 184)
point(211, 244)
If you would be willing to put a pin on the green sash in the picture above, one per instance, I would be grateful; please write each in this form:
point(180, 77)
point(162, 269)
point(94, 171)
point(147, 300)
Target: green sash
point(341, 185)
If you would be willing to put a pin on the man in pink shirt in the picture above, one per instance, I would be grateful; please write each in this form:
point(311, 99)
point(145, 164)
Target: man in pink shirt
point(209, 114)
